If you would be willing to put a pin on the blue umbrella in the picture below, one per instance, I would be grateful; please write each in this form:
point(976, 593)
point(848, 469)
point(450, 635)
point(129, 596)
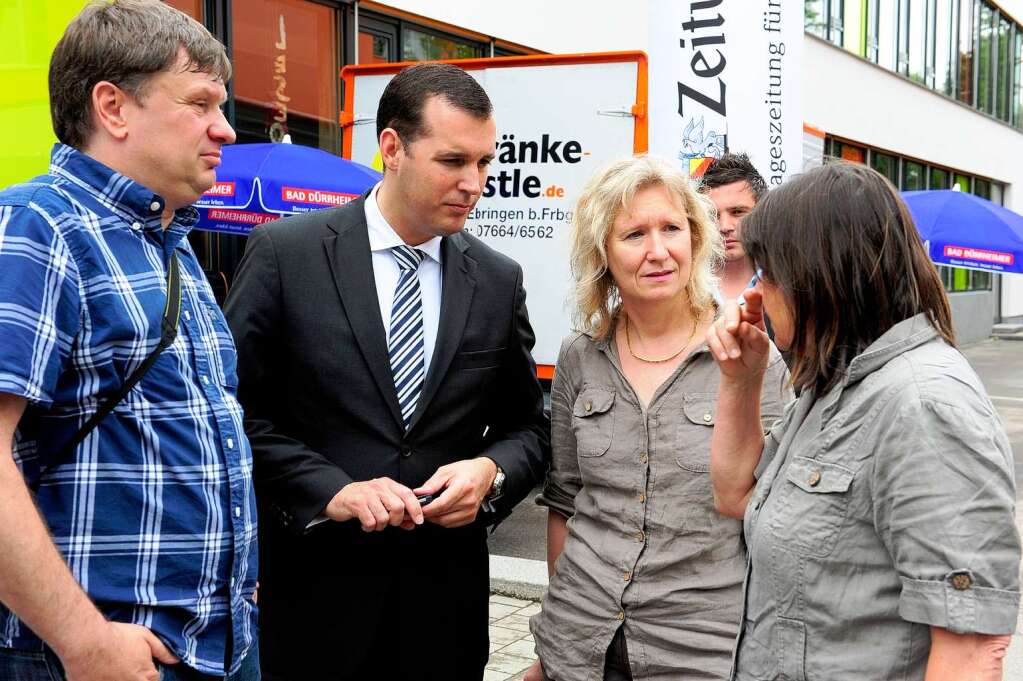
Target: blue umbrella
point(258, 183)
point(963, 230)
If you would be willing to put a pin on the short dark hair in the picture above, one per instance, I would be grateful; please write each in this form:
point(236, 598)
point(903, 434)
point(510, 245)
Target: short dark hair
point(841, 246)
point(124, 42)
point(401, 105)
point(734, 168)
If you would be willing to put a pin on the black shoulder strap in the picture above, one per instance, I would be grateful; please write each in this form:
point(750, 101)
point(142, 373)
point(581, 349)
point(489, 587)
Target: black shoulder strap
point(168, 332)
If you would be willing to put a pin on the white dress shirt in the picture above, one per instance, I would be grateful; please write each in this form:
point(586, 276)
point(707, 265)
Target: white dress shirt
point(382, 238)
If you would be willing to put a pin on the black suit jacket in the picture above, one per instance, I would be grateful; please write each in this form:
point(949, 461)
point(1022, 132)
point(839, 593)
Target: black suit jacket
point(321, 411)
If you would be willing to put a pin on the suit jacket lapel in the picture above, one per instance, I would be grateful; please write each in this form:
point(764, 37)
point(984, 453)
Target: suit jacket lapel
point(458, 285)
point(352, 266)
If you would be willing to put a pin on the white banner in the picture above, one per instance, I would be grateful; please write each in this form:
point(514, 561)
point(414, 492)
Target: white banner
point(725, 75)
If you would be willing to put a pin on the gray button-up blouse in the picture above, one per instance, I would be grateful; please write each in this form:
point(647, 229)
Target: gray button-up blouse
point(887, 508)
point(645, 548)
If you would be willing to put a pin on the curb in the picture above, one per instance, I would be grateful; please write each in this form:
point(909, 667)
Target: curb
point(518, 577)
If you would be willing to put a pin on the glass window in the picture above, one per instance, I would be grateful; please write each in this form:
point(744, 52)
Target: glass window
point(938, 179)
point(887, 14)
point(982, 188)
point(886, 165)
point(984, 58)
point(418, 45)
point(814, 18)
point(997, 193)
point(836, 21)
point(193, 8)
point(916, 11)
point(944, 53)
point(912, 176)
point(853, 153)
point(286, 57)
point(1003, 69)
point(1017, 81)
point(966, 61)
point(375, 48)
point(961, 181)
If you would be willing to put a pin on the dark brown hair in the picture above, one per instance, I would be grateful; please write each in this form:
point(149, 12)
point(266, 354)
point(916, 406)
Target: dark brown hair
point(732, 168)
point(124, 42)
point(840, 245)
point(401, 104)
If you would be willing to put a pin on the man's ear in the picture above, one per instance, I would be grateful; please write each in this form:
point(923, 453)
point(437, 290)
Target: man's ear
point(390, 147)
point(108, 109)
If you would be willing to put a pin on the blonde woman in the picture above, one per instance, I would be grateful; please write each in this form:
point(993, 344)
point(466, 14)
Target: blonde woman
point(645, 576)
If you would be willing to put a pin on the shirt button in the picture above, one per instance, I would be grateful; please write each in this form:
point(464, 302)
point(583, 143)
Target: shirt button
point(642, 498)
point(707, 417)
point(961, 582)
point(588, 406)
point(237, 511)
point(232, 582)
point(814, 479)
point(154, 206)
point(627, 576)
point(643, 457)
point(187, 315)
point(136, 226)
point(230, 443)
point(640, 536)
point(205, 379)
point(621, 615)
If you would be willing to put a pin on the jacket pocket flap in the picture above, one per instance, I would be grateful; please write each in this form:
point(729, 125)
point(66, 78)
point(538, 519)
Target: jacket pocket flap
point(593, 401)
point(700, 410)
point(819, 477)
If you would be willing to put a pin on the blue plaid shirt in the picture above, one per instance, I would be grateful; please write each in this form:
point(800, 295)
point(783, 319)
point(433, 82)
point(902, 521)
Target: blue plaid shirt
point(154, 512)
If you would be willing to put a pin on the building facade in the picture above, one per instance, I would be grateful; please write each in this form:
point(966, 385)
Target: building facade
point(927, 92)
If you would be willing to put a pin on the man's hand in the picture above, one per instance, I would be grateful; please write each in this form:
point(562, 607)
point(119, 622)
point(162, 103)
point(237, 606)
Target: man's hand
point(117, 652)
point(465, 484)
point(738, 341)
point(377, 504)
point(534, 673)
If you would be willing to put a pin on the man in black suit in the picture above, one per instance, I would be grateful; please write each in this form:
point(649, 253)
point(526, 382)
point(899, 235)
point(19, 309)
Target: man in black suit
point(383, 355)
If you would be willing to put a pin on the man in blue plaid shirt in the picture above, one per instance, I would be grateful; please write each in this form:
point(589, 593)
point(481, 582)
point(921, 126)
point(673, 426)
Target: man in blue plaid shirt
point(140, 562)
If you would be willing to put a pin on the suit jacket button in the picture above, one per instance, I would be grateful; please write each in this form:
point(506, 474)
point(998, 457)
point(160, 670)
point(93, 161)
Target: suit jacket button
point(406, 452)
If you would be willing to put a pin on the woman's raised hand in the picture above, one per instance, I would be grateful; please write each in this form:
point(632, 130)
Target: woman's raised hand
point(738, 341)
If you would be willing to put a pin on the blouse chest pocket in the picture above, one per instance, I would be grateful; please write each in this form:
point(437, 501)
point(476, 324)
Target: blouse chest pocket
point(593, 421)
point(813, 505)
point(694, 432)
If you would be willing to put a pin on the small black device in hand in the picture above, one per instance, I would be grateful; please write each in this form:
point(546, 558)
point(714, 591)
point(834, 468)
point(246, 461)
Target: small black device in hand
point(424, 499)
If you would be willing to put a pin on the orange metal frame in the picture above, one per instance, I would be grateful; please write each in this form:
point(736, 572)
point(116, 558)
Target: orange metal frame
point(640, 139)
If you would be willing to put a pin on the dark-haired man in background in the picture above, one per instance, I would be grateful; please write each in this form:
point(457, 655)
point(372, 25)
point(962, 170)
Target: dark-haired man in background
point(735, 186)
point(384, 354)
point(152, 513)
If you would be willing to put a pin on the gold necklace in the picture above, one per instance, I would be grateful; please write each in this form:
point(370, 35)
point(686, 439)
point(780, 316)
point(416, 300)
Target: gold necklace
point(628, 344)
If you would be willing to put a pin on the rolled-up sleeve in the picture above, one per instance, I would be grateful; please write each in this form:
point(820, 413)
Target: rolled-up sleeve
point(944, 505)
point(563, 479)
point(39, 304)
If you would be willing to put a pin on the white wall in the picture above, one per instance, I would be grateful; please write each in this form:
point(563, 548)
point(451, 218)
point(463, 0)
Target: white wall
point(556, 26)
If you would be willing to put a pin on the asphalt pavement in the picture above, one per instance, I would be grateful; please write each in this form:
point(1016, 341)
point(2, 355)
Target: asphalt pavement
point(518, 550)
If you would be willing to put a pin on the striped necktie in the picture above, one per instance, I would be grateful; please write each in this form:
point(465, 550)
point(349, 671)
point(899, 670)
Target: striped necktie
point(405, 345)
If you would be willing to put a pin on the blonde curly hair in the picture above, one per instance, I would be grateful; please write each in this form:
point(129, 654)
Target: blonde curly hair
point(606, 195)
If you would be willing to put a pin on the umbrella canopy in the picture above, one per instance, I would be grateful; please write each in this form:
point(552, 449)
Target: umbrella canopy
point(259, 183)
point(963, 230)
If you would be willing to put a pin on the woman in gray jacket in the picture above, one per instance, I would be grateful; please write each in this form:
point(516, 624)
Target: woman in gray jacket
point(645, 576)
point(881, 524)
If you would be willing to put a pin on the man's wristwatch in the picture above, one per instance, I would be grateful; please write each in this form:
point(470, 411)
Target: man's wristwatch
point(496, 490)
